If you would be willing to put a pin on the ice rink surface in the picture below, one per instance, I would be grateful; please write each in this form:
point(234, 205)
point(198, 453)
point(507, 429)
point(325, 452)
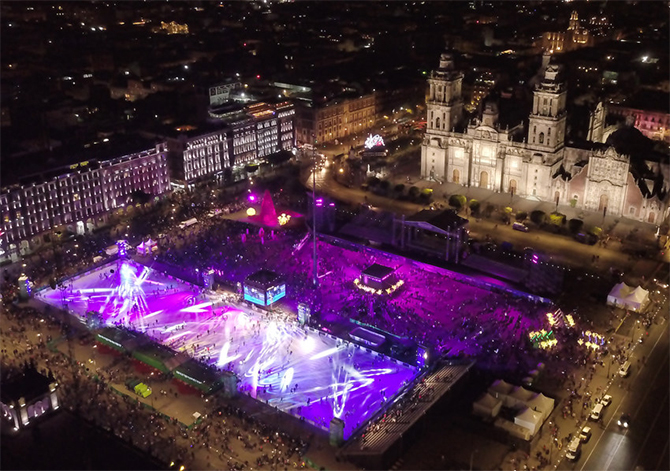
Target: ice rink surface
point(299, 371)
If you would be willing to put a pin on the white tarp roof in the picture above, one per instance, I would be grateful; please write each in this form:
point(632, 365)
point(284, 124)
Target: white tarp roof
point(628, 297)
point(541, 404)
point(620, 290)
point(522, 394)
point(500, 387)
point(529, 419)
point(487, 405)
point(638, 295)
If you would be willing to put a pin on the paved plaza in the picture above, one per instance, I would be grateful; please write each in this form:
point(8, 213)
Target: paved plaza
point(299, 371)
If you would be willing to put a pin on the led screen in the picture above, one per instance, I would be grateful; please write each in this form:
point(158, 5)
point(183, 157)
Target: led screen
point(276, 293)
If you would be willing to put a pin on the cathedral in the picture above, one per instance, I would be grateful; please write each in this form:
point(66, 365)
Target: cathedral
point(620, 174)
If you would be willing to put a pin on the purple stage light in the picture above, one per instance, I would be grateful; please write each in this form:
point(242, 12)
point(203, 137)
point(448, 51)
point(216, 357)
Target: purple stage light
point(252, 198)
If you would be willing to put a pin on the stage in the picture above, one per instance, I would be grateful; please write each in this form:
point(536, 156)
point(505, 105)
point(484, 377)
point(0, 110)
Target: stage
point(299, 371)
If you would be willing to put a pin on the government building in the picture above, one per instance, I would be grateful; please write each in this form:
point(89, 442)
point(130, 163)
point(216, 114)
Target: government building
point(617, 173)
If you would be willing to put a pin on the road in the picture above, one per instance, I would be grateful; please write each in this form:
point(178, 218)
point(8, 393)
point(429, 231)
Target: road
point(562, 249)
point(643, 395)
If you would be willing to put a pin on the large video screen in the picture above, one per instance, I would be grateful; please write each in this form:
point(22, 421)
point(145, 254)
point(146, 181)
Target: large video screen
point(254, 295)
point(275, 293)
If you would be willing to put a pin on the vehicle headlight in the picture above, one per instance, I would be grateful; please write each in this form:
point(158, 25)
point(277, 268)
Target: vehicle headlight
point(619, 422)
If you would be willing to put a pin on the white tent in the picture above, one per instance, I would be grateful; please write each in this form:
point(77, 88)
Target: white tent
point(147, 247)
point(637, 299)
point(618, 294)
point(487, 406)
point(499, 389)
point(542, 404)
point(627, 297)
point(519, 397)
point(529, 419)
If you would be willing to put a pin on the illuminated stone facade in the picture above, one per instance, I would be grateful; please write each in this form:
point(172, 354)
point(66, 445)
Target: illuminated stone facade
point(77, 199)
point(534, 162)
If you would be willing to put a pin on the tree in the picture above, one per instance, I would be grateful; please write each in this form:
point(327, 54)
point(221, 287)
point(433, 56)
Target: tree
point(399, 189)
point(384, 186)
point(596, 231)
point(373, 182)
point(538, 217)
point(414, 192)
point(557, 219)
point(489, 209)
point(457, 201)
point(474, 206)
point(521, 216)
point(575, 225)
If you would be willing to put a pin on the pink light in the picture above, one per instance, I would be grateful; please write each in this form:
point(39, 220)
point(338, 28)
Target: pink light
point(252, 198)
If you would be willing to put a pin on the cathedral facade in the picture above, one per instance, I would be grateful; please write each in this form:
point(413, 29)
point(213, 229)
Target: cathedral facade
point(532, 160)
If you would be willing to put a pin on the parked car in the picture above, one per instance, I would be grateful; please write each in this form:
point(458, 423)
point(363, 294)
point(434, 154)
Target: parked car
point(597, 411)
point(606, 400)
point(585, 434)
point(574, 449)
point(519, 226)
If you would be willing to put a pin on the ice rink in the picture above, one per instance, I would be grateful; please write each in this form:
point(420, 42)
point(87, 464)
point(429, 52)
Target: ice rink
point(301, 372)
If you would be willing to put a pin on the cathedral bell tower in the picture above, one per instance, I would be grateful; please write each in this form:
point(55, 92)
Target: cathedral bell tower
point(546, 125)
point(444, 103)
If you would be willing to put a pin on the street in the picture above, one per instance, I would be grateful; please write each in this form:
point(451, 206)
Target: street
point(643, 395)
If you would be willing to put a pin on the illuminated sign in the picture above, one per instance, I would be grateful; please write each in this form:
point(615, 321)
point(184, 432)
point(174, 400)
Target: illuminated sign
point(264, 298)
point(374, 141)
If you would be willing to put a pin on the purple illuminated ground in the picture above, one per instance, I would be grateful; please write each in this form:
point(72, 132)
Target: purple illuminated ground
point(299, 372)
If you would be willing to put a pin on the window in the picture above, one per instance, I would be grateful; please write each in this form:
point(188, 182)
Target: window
point(541, 138)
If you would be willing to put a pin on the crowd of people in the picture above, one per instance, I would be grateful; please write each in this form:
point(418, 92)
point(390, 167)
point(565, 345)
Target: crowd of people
point(227, 439)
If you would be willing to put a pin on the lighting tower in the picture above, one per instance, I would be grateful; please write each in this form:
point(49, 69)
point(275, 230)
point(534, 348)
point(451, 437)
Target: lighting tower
point(316, 276)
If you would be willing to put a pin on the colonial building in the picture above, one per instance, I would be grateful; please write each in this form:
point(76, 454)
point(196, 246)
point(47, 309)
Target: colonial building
point(574, 37)
point(240, 137)
point(76, 198)
point(335, 119)
point(531, 158)
point(27, 395)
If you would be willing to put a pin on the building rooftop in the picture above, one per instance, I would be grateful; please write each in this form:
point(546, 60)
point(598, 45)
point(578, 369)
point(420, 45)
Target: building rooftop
point(263, 279)
point(39, 166)
point(28, 384)
point(378, 271)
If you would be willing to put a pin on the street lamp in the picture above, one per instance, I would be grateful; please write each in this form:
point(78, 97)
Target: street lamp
point(316, 278)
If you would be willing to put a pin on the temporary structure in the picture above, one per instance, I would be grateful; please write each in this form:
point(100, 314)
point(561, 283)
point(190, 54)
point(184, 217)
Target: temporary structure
point(627, 297)
point(519, 397)
point(542, 404)
point(500, 389)
point(618, 294)
point(637, 299)
point(529, 419)
point(487, 406)
point(147, 247)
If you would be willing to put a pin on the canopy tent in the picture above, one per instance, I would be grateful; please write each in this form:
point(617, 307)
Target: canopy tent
point(618, 294)
point(627, 297)
point(542, 404)
point(500, 389)
point(637, 299)
point(486, 406)
point(529, 419)
point(147, 247)
point(519, 397)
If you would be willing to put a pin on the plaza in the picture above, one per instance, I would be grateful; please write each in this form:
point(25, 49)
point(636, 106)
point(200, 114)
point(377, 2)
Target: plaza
point(300, 371)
